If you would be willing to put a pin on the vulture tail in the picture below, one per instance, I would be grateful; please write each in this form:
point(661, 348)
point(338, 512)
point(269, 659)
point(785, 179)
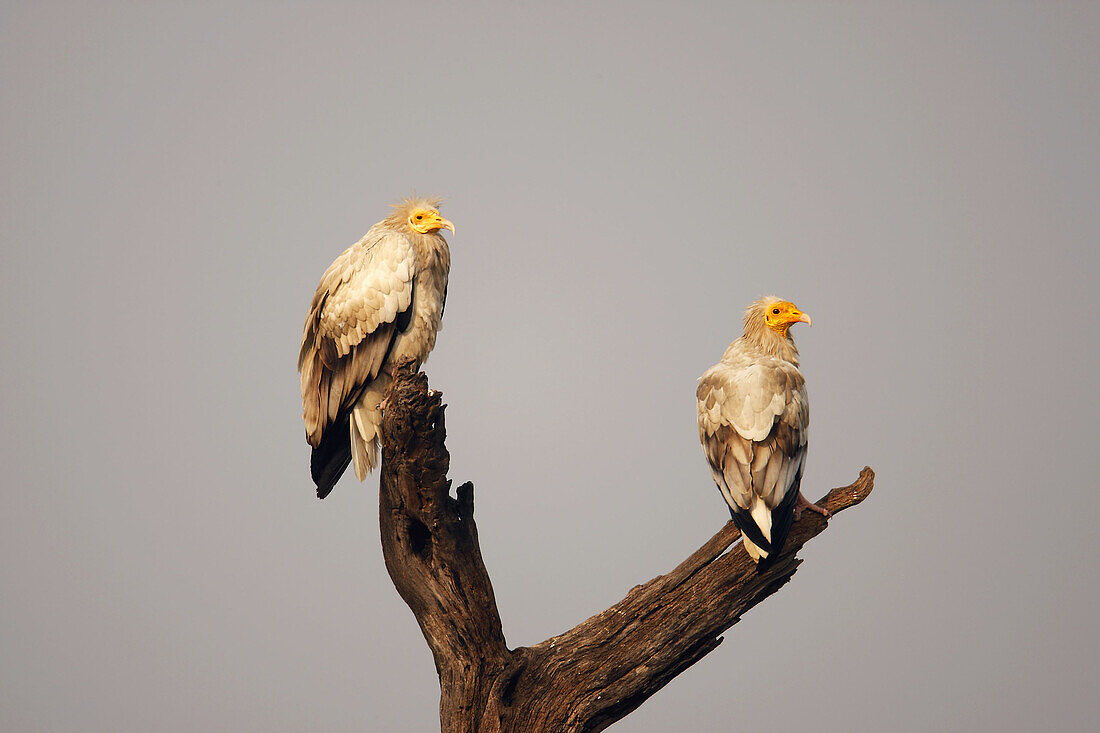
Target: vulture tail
point(758, 555)
point(366, 427)
point(782, 519)
point(755, 541)
point(331, 458)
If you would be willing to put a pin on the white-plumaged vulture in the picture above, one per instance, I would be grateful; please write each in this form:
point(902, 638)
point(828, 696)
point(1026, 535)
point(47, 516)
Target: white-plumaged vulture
point(753, 419)
point(380, 301)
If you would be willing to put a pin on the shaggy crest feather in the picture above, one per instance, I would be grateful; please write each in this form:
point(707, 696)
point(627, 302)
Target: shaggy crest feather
point(400, 215)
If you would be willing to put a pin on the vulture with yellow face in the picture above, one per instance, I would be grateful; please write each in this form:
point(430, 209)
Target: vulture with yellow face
point(753, 417)
point(380, 301)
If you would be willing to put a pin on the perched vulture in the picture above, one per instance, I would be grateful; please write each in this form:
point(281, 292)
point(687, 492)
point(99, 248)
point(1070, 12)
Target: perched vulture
point(381, 300)
point(753, 417)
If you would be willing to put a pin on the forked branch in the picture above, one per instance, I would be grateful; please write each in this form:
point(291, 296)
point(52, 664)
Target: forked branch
point(590, 676)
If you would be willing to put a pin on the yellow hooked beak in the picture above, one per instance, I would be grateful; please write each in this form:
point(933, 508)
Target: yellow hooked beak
point(438, 222)
point(803, 318)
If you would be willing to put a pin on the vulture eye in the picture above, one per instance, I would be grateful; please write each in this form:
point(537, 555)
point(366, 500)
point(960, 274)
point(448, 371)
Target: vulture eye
point(775, 311)
point(419, 217)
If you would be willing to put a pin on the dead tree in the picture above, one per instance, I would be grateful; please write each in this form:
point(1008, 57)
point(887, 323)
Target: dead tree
point(590, 676)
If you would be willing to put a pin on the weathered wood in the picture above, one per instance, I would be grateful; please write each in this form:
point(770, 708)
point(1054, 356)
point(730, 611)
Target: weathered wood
point(590, 676)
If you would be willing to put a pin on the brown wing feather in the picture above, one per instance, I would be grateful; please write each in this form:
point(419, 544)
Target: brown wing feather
point(350, 327)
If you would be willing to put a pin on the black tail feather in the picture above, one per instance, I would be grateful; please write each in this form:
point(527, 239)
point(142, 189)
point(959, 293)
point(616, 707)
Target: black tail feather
point(330, 459)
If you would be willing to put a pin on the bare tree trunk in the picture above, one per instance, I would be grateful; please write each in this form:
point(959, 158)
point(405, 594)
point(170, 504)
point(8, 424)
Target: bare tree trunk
point(590, 676)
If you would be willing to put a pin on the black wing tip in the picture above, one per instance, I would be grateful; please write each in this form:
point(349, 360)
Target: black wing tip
point(744, 522)
point(329, 472)
point(783, 517)
point(331, 458)
point(764, 564)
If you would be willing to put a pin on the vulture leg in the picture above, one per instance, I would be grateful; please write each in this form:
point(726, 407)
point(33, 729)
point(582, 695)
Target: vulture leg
point(804, 503)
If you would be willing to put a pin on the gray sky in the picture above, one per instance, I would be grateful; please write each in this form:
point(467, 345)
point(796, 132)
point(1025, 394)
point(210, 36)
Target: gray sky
point(624, 180)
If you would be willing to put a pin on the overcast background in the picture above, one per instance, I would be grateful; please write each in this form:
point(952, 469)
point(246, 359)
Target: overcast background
point(624, 179)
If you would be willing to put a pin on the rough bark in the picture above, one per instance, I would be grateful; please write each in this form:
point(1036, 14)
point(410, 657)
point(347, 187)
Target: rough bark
point(590, 676)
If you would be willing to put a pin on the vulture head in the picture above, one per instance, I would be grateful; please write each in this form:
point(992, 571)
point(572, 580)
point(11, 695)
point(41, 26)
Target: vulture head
point(421, 215)
point(770, 315)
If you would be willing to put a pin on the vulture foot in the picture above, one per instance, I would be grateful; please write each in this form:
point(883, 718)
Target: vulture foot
point(804, 503)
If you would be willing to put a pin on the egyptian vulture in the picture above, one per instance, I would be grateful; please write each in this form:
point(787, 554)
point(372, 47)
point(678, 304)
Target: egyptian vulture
point(753, 418)
point(381, 300)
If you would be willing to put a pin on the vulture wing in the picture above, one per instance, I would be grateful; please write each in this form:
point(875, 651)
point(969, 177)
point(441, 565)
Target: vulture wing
point(363, 303)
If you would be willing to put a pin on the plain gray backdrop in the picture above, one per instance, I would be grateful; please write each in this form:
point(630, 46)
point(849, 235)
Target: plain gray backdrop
point(625, 178)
